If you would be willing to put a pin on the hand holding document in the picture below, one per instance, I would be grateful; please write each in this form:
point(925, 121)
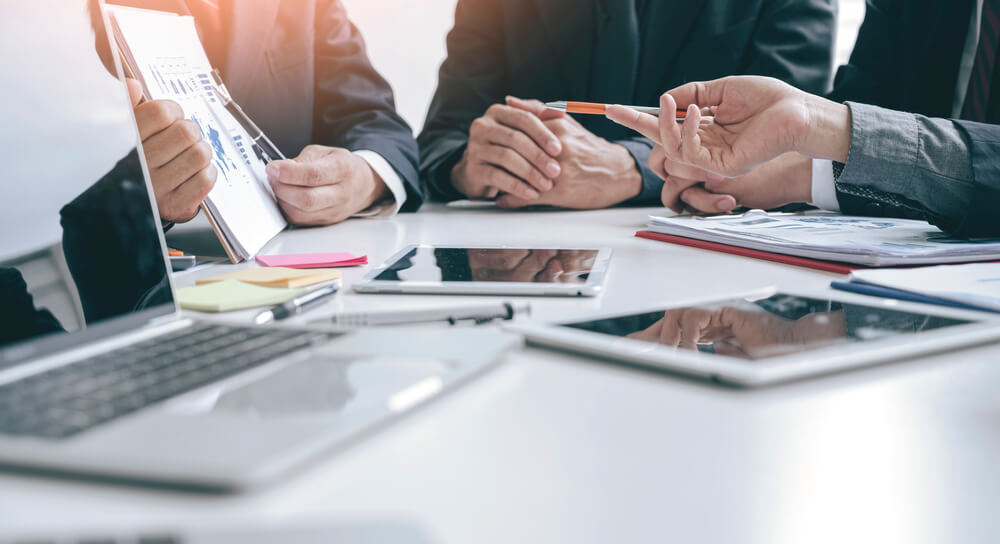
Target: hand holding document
point(164, 53)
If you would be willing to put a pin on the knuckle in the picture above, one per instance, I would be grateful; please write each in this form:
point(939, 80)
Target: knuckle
point(495, 109)
point(310, 201)
point(205, 181)
point(189, 131)
point(202, 155)
point(479, 128)
point(508, 156)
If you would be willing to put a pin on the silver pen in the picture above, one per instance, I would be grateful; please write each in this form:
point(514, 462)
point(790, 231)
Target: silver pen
point(262, 145)
point(477, 314)
point(297, 305)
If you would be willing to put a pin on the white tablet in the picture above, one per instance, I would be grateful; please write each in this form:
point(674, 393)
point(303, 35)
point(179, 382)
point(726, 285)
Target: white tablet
point(769, 337)
point(456, 270)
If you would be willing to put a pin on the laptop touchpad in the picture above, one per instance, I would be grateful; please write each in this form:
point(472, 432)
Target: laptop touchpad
point(331, 386)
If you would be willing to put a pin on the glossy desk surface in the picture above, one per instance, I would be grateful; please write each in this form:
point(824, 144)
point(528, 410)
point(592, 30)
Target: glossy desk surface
point(552, 447)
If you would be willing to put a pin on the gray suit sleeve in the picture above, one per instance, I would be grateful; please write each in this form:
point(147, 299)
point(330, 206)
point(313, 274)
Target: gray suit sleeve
point(906, 165)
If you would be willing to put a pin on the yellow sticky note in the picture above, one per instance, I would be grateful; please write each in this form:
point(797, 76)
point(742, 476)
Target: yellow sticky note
point(278, 277)
point(231, 295)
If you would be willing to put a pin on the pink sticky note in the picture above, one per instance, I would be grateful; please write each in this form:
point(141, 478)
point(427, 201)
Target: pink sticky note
point(313, 260)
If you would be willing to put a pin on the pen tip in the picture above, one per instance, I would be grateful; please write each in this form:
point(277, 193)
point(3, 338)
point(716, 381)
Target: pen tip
point(264, 318)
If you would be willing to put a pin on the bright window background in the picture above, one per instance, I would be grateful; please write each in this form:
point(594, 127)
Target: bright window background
point(406, 43)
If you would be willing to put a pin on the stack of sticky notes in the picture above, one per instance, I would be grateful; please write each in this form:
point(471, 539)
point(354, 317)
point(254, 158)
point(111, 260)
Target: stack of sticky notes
point(251, 288)
point(232, 295)
point(277, 277)
point(313, 260)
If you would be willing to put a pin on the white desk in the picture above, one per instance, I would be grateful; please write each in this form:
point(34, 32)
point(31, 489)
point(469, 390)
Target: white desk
point(556, 448)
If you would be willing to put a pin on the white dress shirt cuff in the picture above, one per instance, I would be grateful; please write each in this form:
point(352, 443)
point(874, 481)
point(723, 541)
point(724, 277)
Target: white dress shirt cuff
point(392, 181)
point(824, 187)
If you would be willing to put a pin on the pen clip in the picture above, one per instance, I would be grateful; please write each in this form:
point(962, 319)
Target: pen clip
point(220, 87)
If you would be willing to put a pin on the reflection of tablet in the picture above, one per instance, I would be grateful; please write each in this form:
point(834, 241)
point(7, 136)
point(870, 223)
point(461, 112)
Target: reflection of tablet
point(490, 271)
point(770, 337)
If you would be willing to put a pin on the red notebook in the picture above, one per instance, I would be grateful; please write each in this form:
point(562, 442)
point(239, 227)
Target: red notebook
point(826, 266)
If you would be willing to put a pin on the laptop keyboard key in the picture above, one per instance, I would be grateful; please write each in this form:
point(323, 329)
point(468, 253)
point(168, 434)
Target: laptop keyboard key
point(67, 400)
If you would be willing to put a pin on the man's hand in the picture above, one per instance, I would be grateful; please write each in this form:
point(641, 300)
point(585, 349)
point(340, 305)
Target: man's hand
point(755, 120)
point(510, 150)
point(325, 185)
point(179, 160)
point(785, 180)
point(594, 173)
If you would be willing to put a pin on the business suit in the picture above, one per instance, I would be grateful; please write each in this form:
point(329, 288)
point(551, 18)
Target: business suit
point(907, 57)
point(575, 49)
point(299, 68)
point(919, 164)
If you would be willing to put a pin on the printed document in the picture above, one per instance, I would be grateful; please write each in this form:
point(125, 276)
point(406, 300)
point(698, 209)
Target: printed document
point(972, 284)
point(164, 51)
point(866, 241)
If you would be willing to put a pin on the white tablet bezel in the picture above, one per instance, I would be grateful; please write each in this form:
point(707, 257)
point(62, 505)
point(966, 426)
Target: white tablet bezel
point(593, 286)
point(741, 372)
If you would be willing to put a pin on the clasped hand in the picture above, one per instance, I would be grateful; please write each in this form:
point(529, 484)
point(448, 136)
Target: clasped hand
point(525, 154)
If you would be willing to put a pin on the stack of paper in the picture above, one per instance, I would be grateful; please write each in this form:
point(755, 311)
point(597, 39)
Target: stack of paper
point(277, 277)
point(232, 295)
point(865, 241)
point(163, 51)
point(971, 285)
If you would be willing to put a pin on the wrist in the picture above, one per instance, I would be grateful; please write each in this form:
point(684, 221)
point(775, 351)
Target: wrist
point(828, 134)
point(378, 190)
point(457, 174)
point(628, 173)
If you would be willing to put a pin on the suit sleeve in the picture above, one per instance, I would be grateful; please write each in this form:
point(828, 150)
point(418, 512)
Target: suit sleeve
point(915, 167)
point(470, 80)
point(794, 42)
point(357, 109)
point(873, 67)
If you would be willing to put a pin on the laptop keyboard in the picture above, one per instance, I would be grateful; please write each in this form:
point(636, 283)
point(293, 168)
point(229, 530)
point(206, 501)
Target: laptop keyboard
point(70, 399)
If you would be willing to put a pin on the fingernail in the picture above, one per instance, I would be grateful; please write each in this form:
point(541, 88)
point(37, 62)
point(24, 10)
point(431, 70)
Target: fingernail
point(553, 147)
point(273, 172)
point(723, 205)
point(552, 169)
point(714, 177)
point(546, 184)
point(532, 194)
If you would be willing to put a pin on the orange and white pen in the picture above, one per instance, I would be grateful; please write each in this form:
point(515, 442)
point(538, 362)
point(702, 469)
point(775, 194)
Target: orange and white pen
point(593, 108)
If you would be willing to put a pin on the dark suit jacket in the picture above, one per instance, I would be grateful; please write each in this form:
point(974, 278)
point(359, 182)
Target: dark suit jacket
point(300, 69)
point(544, 49)
point(907, 58)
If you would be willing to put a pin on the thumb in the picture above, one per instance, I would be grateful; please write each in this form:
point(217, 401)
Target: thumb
point(134, 91)
point(705, 94)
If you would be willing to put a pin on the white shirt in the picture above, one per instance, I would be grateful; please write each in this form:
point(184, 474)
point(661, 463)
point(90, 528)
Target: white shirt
point(392, 180)
point(824, 189)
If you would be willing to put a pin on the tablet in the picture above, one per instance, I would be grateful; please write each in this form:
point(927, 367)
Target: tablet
point(424, 269)
point(768, 337)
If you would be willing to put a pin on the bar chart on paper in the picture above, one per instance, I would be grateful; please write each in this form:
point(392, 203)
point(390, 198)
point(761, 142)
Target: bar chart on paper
point(168, 58)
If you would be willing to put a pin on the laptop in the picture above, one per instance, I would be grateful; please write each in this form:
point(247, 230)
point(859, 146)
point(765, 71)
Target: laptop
point(100, 373)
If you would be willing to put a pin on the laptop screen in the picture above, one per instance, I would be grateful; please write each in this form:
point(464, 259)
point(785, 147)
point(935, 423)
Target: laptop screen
point(80, 251)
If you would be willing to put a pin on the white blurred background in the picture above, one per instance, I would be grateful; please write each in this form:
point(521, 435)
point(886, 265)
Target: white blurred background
point(406, 44)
